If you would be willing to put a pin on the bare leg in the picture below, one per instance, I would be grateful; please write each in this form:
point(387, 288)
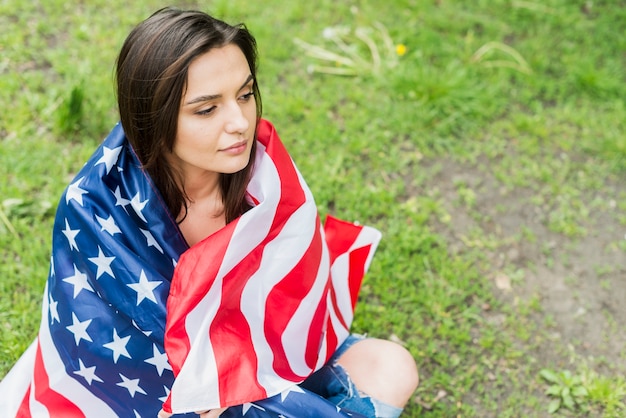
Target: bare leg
point(382, 370)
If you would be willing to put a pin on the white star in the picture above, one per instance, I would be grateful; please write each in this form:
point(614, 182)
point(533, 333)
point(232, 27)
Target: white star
point(144, 288)
point(138, 206)
point(286, 392)
point(146, 333)
point(136, 414)
point(151, 241)
point(89, 373)
point(118, 346)
point(79, 329)
point(79, 281)
point(103, 263)
point(109, 157)
point(119, 200)
point(246, 407)
point(159, 360)
point(70, 234)
point(54, 313)
point(108, 225)
point(132, 385)
point(167, 394)
point(75, 192)
point(52, 274)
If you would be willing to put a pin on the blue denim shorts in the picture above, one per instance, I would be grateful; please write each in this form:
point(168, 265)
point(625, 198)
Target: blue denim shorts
point(333, 383)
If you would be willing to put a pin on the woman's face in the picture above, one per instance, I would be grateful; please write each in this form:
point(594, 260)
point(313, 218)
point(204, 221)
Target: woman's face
point(217, 118)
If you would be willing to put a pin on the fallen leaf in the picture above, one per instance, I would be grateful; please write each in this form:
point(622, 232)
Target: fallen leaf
point(503, 282)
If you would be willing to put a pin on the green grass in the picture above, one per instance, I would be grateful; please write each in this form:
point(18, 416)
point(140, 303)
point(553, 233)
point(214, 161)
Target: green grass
point(527, 97)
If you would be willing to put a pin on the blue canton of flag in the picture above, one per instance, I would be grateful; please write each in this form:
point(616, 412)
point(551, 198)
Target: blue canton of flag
point(294, 402)
point(114, 251)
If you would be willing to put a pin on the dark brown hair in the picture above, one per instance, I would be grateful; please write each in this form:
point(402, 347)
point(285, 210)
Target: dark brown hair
point(151, 78)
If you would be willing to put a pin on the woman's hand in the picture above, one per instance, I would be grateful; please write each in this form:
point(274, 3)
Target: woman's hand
point(213, 413)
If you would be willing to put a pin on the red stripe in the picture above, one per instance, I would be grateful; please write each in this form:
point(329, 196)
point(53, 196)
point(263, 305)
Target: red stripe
point(358, 259)
point(320, 321)
point(340, 236)
point(187, 291)
point(232, 340)
point(237, 369)
point(57, 404)
point(283, 302)
point(338, 313)
point(185, 294)
point(24, 410)
point(332, 342)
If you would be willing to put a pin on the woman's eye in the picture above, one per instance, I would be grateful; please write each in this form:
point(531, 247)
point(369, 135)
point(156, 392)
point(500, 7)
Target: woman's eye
point(247, 96)
point(205, 112)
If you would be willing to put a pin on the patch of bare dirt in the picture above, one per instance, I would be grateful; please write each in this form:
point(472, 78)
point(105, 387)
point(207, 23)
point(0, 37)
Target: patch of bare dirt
point(580, 282)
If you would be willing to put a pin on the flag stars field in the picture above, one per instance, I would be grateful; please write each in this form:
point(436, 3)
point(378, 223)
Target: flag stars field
point(159, 360)
point(132, 385)
point(103, 264)
point(109, 157)
point(118, 346)
point(145, 288)
point(89, 373)
point(54, 312)
point(79, 329)
point(151, 241)
point(79, 281)
point(119, 200)
point(108, 225)
point(75, 192)
point(138, 205)
point(70, 234)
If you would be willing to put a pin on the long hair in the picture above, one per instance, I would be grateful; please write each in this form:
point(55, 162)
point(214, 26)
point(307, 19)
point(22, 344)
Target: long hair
point(151, 78)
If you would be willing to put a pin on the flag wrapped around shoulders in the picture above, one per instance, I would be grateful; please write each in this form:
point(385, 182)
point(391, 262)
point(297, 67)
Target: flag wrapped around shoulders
point(265, 301)
point(251, 310)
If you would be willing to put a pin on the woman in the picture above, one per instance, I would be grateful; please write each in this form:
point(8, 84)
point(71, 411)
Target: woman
point(189, 270)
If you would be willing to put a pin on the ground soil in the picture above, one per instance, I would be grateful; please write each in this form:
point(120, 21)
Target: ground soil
point(579, 282)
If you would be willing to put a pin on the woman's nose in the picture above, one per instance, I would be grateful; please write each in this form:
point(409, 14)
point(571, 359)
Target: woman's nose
point(237, 123)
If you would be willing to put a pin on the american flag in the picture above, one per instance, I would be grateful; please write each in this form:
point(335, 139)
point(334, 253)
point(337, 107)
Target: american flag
point(133, 318)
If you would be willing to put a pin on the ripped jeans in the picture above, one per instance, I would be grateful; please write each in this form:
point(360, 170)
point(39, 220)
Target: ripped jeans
point(333, 383)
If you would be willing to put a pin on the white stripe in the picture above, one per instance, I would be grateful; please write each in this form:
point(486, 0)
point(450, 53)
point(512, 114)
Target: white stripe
point(194, 382)
point(341, 268)
point(321, 357)
point(36, 409)
point(368, 236)
point(341, 332)
point(195, 387)
point(295, 336)
point(16, 383)
point(280, 256)
point(59, 381)
point(254, 225)
point(339, 271)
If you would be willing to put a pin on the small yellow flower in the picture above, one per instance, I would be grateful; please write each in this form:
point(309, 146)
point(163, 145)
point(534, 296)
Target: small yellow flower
point(400, 49)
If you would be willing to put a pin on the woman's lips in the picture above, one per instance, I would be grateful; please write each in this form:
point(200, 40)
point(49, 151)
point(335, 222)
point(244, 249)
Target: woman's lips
point(236, 148)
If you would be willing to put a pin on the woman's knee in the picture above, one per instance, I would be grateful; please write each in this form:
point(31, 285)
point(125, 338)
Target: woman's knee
point(382, 369)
